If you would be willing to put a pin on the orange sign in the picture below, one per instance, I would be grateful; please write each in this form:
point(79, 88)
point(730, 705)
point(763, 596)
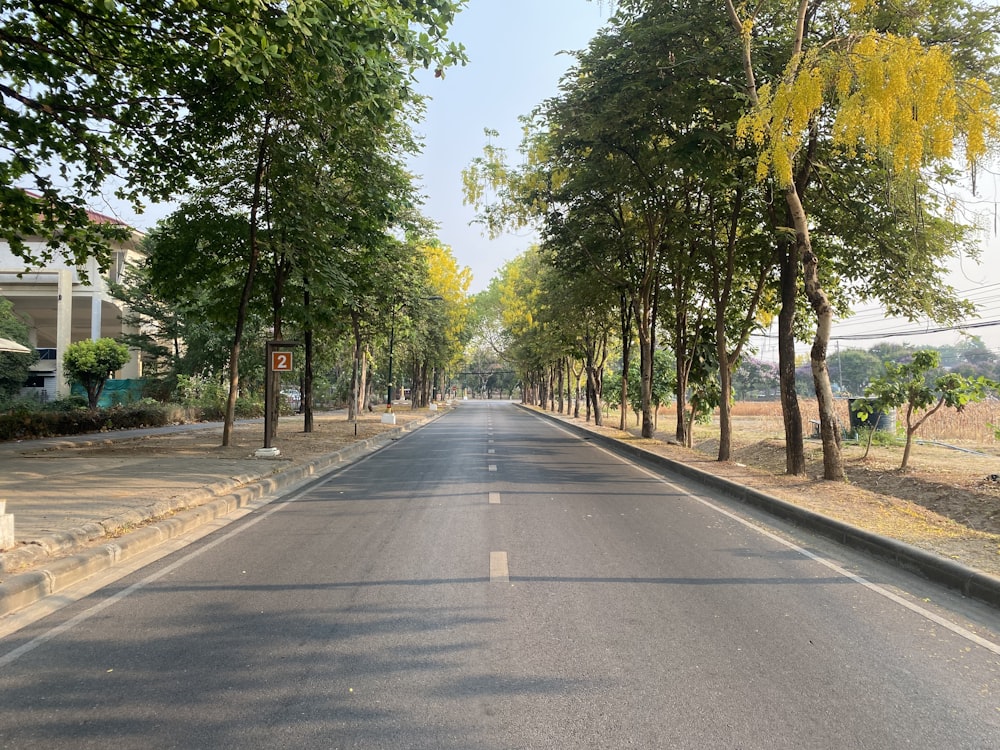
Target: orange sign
point(281, 361)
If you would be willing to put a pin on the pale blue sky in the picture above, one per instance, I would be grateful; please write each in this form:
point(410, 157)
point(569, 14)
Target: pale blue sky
point(514, 64)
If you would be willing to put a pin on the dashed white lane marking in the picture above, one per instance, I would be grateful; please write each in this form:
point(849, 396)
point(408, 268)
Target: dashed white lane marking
point(499, 572)
point(493, 467)
point(494, 498)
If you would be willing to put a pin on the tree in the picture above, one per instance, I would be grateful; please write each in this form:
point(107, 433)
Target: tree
point(907, 385)
point(145, 92)
point(92, 362)
point(664, 387)
point(83, 85)
point(853, 76)
point(854, 369)
point(755, 379)
point(194, 265)
point(325, 113)
point(446, 326)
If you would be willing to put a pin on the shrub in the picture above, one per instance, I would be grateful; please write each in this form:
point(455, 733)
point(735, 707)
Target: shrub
point(25, 424)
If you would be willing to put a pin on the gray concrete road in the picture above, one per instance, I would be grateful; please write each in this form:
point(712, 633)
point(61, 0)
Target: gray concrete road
point(492, 581)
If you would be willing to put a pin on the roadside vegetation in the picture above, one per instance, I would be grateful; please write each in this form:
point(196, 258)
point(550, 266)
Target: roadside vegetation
point(704, 170)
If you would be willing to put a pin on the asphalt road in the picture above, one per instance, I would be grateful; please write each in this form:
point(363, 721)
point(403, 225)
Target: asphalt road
point(492, 581)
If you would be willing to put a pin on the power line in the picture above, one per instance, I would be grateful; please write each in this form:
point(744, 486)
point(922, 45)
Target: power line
point(897, 334)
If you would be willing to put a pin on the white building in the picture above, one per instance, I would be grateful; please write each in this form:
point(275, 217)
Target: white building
point(60, 308)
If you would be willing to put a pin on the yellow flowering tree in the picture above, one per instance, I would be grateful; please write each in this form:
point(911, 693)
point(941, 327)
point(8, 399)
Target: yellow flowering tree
point(886, 96)
point(447, 285)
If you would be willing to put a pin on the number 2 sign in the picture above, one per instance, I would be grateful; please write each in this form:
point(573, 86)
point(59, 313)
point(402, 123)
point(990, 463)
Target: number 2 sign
point(281, 361)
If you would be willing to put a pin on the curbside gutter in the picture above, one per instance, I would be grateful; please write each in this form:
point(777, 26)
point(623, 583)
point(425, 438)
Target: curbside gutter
point(59, 561)
point(973, 583)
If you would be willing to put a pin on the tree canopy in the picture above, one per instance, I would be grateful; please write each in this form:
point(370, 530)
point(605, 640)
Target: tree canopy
point(138, 96)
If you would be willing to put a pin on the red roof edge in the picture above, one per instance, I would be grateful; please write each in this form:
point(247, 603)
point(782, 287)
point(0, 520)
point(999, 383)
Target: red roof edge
point(94, 216)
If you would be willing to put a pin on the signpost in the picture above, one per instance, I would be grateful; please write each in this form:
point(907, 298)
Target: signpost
point(274, 361)
point(281, 361)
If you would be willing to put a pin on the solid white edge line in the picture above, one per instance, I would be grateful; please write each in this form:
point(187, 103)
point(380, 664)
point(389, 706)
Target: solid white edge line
point(874, 587)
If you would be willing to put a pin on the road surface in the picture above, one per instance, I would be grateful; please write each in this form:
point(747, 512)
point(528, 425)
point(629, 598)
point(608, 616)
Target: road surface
point(493, 581)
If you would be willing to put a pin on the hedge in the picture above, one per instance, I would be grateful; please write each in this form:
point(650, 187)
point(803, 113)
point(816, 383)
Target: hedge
point(25, 425)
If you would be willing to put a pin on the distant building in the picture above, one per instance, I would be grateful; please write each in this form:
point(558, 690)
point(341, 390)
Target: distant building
point(60, 309)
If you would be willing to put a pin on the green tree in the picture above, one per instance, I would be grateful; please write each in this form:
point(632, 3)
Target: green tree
point(91, 90)
point(664, 387)
point(854, 369)
point(976, 358)
point(754, 379)
point(908, 385)
point(889, 351)
point(866, 82)
point(355, 78)
point(147, 92)
point(92, 362)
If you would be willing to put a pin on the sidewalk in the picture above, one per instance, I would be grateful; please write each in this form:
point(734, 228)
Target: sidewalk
point(107, 495)
point(52, 487)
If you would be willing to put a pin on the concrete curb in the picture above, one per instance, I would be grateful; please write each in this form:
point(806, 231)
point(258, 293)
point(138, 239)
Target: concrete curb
point(65, 563)
point(972, 583)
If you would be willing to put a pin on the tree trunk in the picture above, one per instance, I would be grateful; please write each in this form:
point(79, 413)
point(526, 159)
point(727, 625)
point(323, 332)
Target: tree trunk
point(561, 384)
point(625, 319)
point(597, 357)
point(689, 432)
point(594, 391)
point(426, 384)
point(365, 383)
point(576, 400)
point(356, 390)
point(307, 375)
point(680, 396)
point(833, 462)
point(725, 405)
point(795, 459)
point(644, 326)
point(244, 304)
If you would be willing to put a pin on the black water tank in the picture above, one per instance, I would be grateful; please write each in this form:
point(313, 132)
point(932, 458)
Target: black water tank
point(883, 422)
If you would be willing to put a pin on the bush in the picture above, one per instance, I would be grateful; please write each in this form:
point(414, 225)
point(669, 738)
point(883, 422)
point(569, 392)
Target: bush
point(67, 403)
point(24, 423)
point(249, 408)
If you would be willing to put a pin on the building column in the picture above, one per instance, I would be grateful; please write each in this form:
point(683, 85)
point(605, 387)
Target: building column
point(132, 370)
point(95, 317)
point(64, 328)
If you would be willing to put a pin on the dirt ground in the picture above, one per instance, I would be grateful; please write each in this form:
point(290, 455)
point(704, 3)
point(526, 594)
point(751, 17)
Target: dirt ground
point(948, 502)
point(330, 432)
